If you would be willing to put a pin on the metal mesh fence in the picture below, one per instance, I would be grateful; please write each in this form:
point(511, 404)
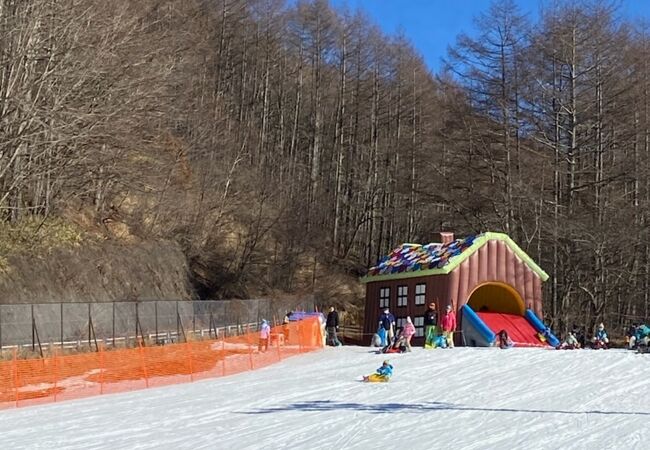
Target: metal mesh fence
point(37, 326)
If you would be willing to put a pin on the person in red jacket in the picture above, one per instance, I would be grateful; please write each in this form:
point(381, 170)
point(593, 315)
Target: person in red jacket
point(449, 326)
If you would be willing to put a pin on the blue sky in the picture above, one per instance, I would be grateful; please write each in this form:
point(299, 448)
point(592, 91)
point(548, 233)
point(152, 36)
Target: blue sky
point(432, 25)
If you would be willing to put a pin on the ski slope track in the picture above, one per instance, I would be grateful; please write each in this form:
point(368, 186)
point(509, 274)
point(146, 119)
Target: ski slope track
point(462, 398)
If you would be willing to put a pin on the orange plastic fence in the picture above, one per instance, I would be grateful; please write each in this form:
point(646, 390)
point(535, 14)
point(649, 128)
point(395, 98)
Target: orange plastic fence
point(62, 377)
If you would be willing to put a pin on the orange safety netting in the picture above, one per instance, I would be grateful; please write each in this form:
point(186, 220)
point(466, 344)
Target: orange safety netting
point(63, 377)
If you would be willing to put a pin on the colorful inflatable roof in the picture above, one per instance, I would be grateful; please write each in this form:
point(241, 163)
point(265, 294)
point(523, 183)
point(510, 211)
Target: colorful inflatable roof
point(415, 260)
point(413, 257)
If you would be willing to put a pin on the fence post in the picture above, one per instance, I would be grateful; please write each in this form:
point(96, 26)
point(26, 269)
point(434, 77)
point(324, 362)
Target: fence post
point(144, 364)
point(250, 345)
point(155, 309)
point(54, 373)
point(300, 340)
point(113, 341)
point(33, 330)
point(102, 368)
point(223, 354)
point(90, 324)
point(15, 377)
point(61, 326)
point(277, 341)
point(137, 321)
point(189, 357)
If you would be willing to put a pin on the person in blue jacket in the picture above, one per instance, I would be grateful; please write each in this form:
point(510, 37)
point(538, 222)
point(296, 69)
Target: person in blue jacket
point(386, 327)
point(383, 374)
point(600, 340)
point(641, 337)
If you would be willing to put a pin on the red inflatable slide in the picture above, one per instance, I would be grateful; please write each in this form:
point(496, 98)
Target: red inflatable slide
point(522, 333)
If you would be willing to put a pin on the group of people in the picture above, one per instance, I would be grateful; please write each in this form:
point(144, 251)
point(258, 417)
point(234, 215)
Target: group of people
point(439, 335)
point(436, 334)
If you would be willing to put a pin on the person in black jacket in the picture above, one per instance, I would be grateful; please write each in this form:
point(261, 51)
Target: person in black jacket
point(332, 326)
point(430, 325)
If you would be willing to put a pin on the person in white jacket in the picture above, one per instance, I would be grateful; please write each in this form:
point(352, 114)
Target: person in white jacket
point(265, 336)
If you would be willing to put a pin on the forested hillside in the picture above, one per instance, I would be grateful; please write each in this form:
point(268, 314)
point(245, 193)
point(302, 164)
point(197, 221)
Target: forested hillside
point(285, 146)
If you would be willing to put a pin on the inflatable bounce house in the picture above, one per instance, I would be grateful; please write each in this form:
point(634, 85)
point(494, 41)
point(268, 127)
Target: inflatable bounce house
point(491, 283)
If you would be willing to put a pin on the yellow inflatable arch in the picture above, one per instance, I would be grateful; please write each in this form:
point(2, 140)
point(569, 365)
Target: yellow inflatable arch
point(496, 297)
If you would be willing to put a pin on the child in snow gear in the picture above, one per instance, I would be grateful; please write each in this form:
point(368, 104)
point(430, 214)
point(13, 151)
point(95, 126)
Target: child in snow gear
point(600, 340)
point(397, 345)
point(408, 332)
point(439, 342)
point(376, 340)
point(383, 340)
point(265, 336)
point(430, 325)
point(570, 343)
point(449, 325)
point(503, 341)
point(640, 338)
point(382, 375)
point(579, 335)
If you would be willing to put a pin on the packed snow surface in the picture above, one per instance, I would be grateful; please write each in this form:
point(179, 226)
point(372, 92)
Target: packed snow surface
point(462, 398)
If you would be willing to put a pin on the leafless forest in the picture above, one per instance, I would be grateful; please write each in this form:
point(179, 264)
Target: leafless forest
point(275, 140)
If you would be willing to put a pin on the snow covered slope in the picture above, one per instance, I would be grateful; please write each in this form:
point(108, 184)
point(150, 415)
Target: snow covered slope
point(462, 398)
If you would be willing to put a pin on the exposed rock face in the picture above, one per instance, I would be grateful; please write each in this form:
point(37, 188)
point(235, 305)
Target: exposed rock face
point(100, 272)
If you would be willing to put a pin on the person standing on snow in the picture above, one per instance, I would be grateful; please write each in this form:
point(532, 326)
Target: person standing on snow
point(265, 336)
point(387, 324)
point(408, 333)
point(430, 325)
point(332, 326)
point(449, 326)
point(285, 325)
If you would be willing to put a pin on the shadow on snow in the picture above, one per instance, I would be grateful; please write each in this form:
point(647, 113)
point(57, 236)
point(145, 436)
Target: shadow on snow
point(327, 405)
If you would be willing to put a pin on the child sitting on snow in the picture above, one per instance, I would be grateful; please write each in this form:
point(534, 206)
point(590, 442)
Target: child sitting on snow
point(397, 346)
point(376, 340)
point(503, 341)
point(383, 374)
point(570, 343)
point(640, 338)
point(600, 340)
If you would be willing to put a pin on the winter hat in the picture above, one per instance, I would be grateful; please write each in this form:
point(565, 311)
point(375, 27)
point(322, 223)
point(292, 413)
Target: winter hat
point(448, 307)
point(408, 319)
point(264, 321)
point(386, 362)
point(601, 326)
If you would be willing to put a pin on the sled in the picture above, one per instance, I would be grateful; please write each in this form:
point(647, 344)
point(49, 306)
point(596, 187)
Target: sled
point(375, 378)
point(438, 342)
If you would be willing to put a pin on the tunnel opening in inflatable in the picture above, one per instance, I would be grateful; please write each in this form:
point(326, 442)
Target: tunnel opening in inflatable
point(496, 297)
